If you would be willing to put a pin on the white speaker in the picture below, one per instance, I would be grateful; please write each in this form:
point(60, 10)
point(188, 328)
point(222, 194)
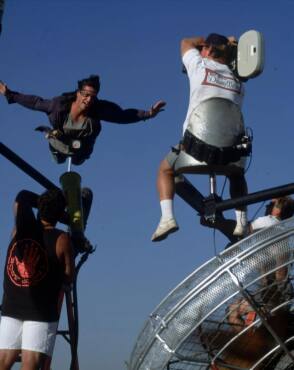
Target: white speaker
point(250, 54)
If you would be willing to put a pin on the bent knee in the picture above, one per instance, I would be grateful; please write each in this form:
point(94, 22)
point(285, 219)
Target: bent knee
point(165, 167)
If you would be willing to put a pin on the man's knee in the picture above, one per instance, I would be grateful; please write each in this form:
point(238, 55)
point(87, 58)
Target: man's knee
point(165, 168)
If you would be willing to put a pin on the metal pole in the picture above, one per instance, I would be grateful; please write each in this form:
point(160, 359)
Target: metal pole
point(25, 167)
point(69, 164)
point(189, 193)
point(212, 183)
point(263, 316)
point(256, 197)
point(74, 365)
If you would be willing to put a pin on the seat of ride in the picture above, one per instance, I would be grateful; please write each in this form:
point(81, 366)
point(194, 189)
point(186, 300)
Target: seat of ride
point(217, 122)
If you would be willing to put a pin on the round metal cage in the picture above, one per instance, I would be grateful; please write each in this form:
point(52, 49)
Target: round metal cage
point(233, 312)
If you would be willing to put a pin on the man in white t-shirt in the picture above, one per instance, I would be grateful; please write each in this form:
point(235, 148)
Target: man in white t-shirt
point(207, 64)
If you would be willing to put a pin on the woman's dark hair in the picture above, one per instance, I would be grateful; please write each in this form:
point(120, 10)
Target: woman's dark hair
point(51, 205)
point(286, 205)
point(92, 80)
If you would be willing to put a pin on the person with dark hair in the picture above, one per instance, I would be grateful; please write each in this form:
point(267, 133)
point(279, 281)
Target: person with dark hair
point(92, 81)
point(39, 262)
point(207, 63)
point(278, 209)
point(75, 117)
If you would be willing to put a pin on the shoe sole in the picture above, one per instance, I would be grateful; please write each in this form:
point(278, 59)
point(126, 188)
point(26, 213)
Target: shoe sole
point(165, 235)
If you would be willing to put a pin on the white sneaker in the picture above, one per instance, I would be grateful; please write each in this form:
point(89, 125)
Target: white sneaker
point(240, 230)
point(164, 228)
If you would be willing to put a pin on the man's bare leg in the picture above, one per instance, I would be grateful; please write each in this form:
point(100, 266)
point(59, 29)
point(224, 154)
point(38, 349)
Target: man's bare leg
point(31, 360)
point(166, 191)
point(8, 358)
point(165, 181)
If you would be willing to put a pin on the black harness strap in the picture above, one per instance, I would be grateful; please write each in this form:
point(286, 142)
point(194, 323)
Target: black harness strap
point(213, 155)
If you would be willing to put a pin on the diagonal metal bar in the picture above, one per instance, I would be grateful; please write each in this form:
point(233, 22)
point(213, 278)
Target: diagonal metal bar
point(25, 167)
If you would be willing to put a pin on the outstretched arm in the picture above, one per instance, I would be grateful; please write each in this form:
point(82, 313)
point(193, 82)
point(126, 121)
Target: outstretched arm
point(156, 108)
point(3, 88)
point(28, 101)
point(112, 112)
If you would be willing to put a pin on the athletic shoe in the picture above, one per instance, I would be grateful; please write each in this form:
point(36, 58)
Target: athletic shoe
point(240, 230)
point(164, 228)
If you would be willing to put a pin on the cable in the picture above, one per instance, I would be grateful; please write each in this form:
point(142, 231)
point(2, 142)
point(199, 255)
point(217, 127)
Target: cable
point(249, 134)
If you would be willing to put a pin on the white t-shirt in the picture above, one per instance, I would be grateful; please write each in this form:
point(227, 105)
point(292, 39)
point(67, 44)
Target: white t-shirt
point(265, 221)
point(209, 79)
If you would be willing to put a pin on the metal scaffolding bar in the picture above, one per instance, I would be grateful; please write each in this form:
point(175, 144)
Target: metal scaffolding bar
point(256, 197)
point(25, 167)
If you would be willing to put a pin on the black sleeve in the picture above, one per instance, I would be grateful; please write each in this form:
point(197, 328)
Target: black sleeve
point(112, 112)
point(26, 224)
point(30, 101)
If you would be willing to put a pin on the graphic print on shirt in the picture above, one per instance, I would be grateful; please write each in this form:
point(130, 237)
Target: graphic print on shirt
point(213, 78)
point(27, 263)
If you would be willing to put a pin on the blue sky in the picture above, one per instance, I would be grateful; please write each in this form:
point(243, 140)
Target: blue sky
point(46, 46)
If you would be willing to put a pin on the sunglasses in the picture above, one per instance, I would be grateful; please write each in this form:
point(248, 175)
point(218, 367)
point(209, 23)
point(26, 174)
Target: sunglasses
point(86, 94)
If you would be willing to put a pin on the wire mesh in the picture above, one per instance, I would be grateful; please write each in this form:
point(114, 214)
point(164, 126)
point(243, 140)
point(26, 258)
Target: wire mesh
point(233, 312)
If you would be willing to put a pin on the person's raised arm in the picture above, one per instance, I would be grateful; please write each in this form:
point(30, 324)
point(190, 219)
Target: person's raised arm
point(191, 43)
point(33, 102)
point(3, 88)
point(112, 112)
point(25, 221)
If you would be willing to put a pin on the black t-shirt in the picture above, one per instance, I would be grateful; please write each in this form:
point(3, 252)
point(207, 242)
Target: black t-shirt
point(33, 274)
point(32, 279)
